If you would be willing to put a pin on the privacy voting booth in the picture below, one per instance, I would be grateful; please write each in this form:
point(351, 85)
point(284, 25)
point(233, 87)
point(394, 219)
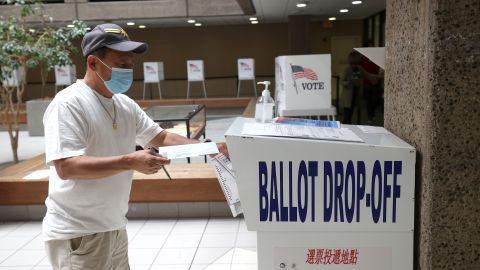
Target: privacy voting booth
point(246, 72)
point(12, 78)
point(196, 73)
point(153, 73)
point(65, 76)
point(345, 203)
point(303, 85)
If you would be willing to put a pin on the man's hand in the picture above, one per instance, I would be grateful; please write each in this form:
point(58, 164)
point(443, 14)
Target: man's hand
point(146, 162)
point(222, 147)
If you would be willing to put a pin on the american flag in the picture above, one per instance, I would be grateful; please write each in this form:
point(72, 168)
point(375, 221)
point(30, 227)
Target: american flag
point(61, 72)
point(244, 66)
point(151, 70)
point(301, 72)
point(194, 68)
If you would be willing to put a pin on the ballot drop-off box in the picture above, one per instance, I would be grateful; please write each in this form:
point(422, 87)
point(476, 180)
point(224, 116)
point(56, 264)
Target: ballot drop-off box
point(326, 204)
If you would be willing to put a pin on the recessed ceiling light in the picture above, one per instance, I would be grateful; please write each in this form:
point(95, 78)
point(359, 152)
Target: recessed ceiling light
point(191, 21)
point(70, 26)
point(253, 19)
point(301, 5)
point(254, 22)
point(332, 18)
point(130, 23)
point(343, 10)
point(142, 26)
point(198, 24)
point(356, 2)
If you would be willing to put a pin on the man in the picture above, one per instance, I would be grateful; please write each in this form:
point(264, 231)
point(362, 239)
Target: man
point(91, 130)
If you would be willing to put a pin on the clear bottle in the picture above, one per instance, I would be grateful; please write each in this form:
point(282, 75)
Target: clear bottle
point(265, 108)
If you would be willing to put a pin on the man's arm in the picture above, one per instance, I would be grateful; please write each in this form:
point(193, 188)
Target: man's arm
point(166, 138)
point(87, 167)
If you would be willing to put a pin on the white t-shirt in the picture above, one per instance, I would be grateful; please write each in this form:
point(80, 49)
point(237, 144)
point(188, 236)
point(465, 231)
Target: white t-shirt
point(76, 124)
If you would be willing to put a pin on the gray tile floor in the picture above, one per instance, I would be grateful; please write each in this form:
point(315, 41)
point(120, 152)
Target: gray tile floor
point(173, 244)
point(203, 243)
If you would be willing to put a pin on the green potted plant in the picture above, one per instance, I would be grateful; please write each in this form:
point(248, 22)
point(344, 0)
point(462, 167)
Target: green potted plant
point(24, 47)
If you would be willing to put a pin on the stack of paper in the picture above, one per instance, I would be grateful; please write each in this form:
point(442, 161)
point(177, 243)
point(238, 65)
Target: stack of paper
point(226, 179)
point(295, 131)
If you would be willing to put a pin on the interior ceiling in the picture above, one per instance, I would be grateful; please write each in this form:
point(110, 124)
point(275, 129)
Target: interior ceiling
point(275, 11)
point(267, 11)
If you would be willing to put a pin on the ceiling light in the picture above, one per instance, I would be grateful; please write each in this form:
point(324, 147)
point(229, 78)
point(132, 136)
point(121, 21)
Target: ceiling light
point(254, 22)
point(191, 21)
point(332, 18)
point(253, 19)
point(343, 10)
point(70, 26)
point(301, 5)
point(130, 23)
point(198, 24)
point(142, 26)
point(356, 2)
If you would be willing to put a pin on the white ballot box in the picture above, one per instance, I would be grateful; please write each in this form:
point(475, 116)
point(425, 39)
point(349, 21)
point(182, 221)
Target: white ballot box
point(303, 82)
point(65, 75)
point(318, 203)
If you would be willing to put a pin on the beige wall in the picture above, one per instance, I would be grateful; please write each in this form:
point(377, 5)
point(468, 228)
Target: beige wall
point(219, 47)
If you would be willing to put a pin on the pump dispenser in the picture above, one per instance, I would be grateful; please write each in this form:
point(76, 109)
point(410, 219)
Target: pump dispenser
point(264, 110)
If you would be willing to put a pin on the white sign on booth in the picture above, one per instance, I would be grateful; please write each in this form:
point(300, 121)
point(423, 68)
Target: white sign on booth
point(153, 72)
point(303, 82)
point(246, 68)
point(314, 201)
point(14, 78)
point(195, 70)
point(65, 75)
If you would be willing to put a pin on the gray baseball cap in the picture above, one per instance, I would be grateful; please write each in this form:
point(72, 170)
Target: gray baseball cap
point(111, 36)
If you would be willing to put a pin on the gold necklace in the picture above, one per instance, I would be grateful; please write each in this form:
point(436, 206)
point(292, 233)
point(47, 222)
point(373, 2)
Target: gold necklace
point(114, 118)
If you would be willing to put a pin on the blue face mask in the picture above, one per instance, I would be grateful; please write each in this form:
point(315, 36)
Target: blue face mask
point(120, 81)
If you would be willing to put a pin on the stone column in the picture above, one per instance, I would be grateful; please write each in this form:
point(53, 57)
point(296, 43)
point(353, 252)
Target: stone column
point(298, 34)
point(432, 100)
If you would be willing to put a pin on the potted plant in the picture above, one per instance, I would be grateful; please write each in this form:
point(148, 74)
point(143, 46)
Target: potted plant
point(23, 47)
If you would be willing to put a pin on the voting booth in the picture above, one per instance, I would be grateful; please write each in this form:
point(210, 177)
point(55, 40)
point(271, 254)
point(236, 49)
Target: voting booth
point(344, 203)
point(246, 72)
point(196, 73)
point(303, 85)
point(65, 76)
point(12, 78)
point(153, 74)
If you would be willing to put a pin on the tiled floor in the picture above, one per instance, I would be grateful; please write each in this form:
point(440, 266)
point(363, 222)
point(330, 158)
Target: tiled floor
point(156, 244)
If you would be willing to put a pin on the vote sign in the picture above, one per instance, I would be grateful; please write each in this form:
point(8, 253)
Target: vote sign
point(246, 68)
point(195, 70)
point(303, 82)
point(65, 75)
point(13, 77)
point(153, 72)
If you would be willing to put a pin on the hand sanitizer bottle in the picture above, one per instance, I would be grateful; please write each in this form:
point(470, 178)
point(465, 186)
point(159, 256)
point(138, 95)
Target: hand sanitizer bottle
point(264, 110)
